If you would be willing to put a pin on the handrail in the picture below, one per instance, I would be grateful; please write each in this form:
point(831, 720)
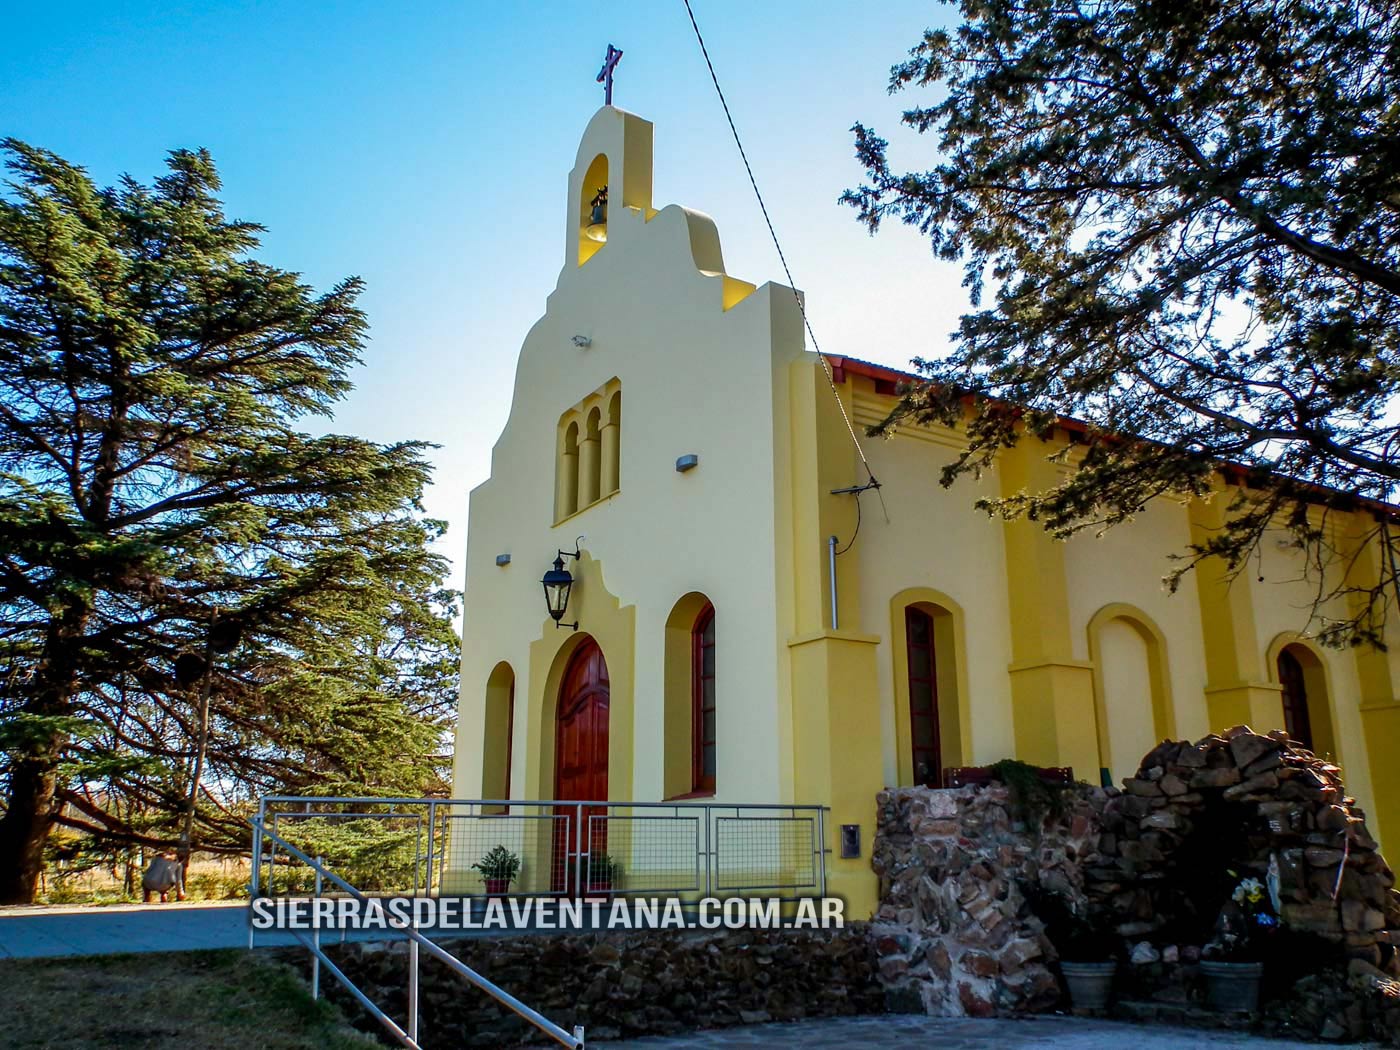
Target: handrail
point(573, 1041)
point(364, 1000)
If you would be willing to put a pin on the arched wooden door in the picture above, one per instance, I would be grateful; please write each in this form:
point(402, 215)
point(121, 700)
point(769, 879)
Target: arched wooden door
point(581, 756)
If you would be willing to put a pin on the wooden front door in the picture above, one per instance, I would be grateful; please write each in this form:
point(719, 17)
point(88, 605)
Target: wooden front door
point(581, 756)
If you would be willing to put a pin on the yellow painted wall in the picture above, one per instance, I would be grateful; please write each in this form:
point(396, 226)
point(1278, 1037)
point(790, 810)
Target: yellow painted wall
point(1033, 637)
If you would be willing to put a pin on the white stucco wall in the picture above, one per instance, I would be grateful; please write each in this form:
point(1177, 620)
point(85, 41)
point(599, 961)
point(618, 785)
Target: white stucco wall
point(695, 379)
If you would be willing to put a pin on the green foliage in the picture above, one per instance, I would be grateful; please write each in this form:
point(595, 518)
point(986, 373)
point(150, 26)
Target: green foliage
point(498, 863)
point(372, 853)
point(1187, 219)
point(604, 868)
point(1033, 801)
point(153, 376)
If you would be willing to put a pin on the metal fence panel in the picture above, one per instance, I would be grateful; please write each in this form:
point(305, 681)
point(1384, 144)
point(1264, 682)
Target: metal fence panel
point(438, 846)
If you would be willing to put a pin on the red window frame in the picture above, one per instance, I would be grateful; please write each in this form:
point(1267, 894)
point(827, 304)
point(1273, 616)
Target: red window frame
point(700, 780)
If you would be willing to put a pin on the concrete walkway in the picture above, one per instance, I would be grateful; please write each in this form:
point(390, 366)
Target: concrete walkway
point(899, 1032)
point(32, 933)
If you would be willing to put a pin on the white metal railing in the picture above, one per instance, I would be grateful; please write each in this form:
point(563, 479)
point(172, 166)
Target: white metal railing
point(406, 1035)
point(563, 848)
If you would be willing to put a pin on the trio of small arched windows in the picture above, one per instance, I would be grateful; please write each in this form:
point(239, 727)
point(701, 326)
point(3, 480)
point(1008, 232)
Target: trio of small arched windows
point(589, 452)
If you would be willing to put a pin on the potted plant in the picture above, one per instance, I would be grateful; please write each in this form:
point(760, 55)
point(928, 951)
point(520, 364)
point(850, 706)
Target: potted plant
point(497, 869)
point(1088, 961)
point(1232, 963)
point(604, 873)
point(1087, 947)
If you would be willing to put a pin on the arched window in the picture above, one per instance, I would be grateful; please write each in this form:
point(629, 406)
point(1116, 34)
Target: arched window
point(1307, 705)
point(1295, 699)
point(590, 461)
point(566, 481)
point(612, 442)
point(498, 732)
point(923, 697)
point(702, 645)
point(929, 664)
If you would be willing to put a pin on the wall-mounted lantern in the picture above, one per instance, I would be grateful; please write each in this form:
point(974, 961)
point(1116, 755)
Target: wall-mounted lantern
point(597, 228)
point(558, 582)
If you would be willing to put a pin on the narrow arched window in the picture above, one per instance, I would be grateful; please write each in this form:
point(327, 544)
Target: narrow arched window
point(590, 460)
point(703, 700)
point(1297, 720)
point(566, 477)
point(612, 445)
point(923, 697)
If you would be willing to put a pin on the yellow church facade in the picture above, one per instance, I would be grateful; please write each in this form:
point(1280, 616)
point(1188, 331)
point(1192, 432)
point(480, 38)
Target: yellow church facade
point(669, 428)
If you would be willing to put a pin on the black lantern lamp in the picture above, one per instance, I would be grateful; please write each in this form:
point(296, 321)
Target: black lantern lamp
point(597, 228)
point(558, 582)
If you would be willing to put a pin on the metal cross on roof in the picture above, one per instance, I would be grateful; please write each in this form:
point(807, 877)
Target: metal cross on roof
point(605, 75)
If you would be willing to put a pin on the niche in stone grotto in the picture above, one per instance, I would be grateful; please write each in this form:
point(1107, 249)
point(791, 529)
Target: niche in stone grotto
point(1222, 845)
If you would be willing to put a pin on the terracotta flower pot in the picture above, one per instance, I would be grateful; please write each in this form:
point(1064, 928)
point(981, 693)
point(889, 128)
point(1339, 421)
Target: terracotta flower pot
point(496, 887)
point(1089, 983)
point(1232, 987)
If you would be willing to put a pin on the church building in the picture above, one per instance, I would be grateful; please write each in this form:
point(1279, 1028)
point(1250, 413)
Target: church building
point(750, 630)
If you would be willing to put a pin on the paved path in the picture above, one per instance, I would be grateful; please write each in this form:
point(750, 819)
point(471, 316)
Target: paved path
point(28, 933)
point(901, 1032)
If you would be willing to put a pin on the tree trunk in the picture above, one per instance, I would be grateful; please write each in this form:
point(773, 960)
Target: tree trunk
point(31, 808)
point(24, 829)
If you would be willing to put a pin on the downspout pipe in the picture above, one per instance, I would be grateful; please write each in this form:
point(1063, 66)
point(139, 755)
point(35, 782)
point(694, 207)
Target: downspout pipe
point(831, 559)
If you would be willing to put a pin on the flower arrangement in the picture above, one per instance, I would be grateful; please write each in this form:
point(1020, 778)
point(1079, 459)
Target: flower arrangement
point(1244, 924)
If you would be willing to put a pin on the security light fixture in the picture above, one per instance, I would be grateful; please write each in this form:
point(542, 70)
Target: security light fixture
point(582, 342)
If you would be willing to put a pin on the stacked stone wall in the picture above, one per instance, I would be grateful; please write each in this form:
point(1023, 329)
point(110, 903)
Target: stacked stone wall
point(954, 933)
point(1153, 862)
point(620, 985)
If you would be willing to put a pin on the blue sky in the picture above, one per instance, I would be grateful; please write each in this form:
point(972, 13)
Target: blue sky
point(426, 148)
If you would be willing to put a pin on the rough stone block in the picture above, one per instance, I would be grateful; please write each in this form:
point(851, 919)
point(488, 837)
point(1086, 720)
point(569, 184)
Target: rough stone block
point(1247, 747)
point(1215, 778)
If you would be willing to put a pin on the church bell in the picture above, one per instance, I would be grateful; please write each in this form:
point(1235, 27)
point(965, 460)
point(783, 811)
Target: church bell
point(597, 228)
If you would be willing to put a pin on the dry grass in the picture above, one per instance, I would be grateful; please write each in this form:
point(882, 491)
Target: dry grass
point(209, 879)
point(216, 1000)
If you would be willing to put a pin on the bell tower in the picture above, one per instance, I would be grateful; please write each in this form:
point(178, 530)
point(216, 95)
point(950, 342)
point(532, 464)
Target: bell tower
point(610, 185)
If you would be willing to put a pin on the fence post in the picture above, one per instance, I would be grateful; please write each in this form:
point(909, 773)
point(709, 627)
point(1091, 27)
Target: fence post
point(316, 936)
point(432, 830)
point(709, 856)
point(256, 884)
point(272, 859)
point(579, 882)
point(413, 989)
